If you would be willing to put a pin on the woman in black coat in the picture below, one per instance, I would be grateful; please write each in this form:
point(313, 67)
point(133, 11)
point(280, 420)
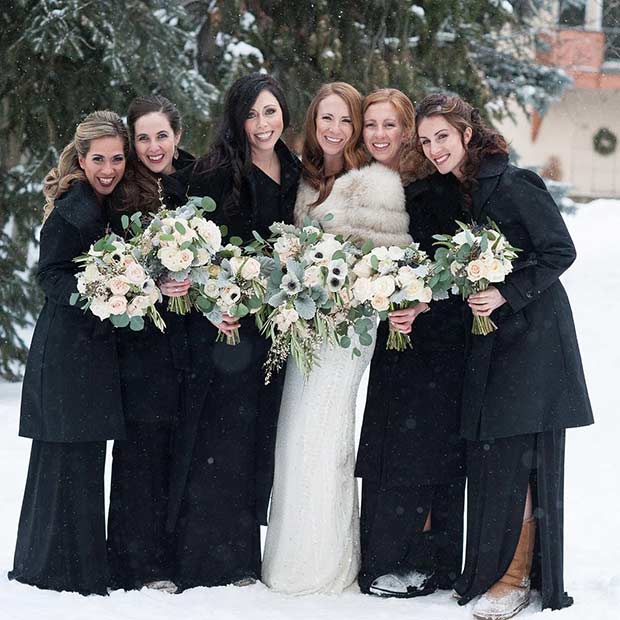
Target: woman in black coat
point(71, 399)
point(154, 368)
point(524, 383)
point(228, 435)
point(410, 455)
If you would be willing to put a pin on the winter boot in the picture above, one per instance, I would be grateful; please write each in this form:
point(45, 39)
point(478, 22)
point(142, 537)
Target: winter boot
point(511, 593)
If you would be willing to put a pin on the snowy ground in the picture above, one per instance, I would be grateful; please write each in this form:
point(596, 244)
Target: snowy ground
point(592, 550)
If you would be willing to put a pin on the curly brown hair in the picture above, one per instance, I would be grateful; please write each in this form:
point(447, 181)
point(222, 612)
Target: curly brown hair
point(484, 141)
point(312, 155)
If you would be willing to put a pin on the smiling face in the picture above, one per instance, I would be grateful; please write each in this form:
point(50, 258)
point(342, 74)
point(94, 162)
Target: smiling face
point(334, 127)
point(443, 145)
point(155, 142)
point(384, 133)
point(264, 123)
point(104, 164)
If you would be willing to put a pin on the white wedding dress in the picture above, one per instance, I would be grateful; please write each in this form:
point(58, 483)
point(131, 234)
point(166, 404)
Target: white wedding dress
point(312, 541)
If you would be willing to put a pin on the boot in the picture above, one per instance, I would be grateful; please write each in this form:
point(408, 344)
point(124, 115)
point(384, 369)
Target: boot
point(511, 593)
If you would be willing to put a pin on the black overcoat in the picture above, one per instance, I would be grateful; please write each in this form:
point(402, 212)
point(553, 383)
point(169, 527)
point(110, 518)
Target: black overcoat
point(527, 376)
point(216, 362)
point(71, 390)
point(410, 432)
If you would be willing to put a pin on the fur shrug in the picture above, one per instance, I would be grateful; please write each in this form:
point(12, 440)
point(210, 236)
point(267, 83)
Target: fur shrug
point(366, 204)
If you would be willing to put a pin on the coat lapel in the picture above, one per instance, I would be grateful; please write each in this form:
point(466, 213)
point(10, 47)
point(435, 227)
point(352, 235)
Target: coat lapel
point(490, 173)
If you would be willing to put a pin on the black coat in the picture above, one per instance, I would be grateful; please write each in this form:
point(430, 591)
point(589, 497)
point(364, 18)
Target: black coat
point(527, 376)
point(218, 363)
point(410, 432)
point(71, 390)
point(153, 363)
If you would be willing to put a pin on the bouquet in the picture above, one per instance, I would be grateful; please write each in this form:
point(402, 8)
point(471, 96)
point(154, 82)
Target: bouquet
point(233, 284)
point(114, 285)
point(476, 256)
point(390, 278)
point(308, 299)
point(177, 244)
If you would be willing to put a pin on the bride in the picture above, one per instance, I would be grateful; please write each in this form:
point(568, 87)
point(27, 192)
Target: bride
point(312, 542)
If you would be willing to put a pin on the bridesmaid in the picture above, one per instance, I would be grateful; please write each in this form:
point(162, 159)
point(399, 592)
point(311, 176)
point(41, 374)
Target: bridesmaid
point(227, 436)
point(312, 542)
point(410, 456)
point(154, 368)
point(524, 383)
point(71, 399)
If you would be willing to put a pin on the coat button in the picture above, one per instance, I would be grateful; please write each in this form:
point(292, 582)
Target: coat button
point(529, 294)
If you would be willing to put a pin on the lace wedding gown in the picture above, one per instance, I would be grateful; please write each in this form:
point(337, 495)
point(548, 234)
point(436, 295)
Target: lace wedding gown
point(312, 542)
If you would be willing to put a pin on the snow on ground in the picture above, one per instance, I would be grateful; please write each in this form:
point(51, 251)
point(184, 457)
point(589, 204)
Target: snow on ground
point(592, 550)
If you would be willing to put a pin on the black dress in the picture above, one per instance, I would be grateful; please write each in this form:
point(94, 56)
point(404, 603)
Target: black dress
point(410, 455)
point(154, 367)
point(228, 435)
point(71, 404)
point(524, 385)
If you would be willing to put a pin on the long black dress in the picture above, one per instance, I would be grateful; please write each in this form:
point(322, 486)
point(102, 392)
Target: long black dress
point(154, 368)
point(410, 455)
point(524, 385)
point(228, 435)
point(71, 404)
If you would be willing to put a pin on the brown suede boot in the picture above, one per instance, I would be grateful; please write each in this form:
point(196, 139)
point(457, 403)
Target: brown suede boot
point(511, 593)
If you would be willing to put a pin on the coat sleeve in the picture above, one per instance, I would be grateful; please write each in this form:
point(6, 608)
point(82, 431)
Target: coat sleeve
point(553, 249)
point(60, 243)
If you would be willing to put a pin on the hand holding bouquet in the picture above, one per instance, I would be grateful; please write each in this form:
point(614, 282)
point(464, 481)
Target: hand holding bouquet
point(114, 285)
point(475, 257)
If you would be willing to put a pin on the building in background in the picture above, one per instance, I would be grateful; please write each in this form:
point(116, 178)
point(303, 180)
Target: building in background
point(577, 140)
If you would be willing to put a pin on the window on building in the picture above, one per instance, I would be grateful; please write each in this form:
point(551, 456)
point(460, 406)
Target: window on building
point(572, 13)
point(611, 28)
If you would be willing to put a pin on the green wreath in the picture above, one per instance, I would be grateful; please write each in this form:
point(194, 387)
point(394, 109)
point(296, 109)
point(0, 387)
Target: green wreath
point(604, 141)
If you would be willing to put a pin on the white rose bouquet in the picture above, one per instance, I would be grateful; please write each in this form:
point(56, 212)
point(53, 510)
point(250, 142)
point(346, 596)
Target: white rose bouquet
point(177, 244)
point(474, 257)
point(390, 278)
point(308, 299)
point(233, 284)
point(114, 285)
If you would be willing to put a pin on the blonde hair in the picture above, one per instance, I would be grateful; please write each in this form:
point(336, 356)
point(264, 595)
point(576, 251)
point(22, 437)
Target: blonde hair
point(312, 155)
point(411, 165)
point(99, 124)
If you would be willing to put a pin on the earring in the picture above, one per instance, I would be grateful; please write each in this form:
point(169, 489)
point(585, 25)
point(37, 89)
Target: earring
point(176, 152)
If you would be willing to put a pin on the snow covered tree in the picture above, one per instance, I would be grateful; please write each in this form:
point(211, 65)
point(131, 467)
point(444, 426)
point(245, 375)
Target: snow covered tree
point(62, 59)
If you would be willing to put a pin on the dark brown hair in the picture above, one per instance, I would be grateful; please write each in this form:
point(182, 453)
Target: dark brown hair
point(485, 140)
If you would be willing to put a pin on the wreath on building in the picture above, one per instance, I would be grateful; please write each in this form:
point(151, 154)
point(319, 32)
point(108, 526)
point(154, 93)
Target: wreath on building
point(604, 141)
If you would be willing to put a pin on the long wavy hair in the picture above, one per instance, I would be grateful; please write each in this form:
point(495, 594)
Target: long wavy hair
point(355, 154)
point(99, 124)
point(140, 187)
point(484, 141)
point(411, 165)
point(231, 148)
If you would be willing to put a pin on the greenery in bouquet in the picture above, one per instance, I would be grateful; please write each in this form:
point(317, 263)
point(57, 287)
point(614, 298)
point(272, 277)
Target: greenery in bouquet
point(395, 277)
point(308, 299)
point(112, 284)
point(476, 256)
point(178, 244)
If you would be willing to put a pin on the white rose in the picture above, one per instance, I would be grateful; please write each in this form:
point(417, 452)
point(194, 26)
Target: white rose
point(495, 271)
point(91, 273)
point(406, 275)
point(290, 314)
point(363, 268)
point(118, 285)
point(381, 253)
point(487, 256)
point(118, 304)
point(184, 259)
point(135, 274)
point(507, 266)
point(362, 289)
point(380, 303)
point(312, 276)
point(426, 295)
point(212, 235)
point(476, 270)
point(383, 286)
point(167, 256)
point(414, 290)
point(396, 253)
point(460, 238)
point(211, 289)
point(202, 258)
point(100, 308)
point(455, 267)
point(247, 268)
point(134, 307)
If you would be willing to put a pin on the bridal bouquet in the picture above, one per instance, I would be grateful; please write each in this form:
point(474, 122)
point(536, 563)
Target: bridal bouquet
point(476, 256)
point(308, 299)
point(233, 284)
point(178, 244)
point(114, 285)
point(390, 278)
